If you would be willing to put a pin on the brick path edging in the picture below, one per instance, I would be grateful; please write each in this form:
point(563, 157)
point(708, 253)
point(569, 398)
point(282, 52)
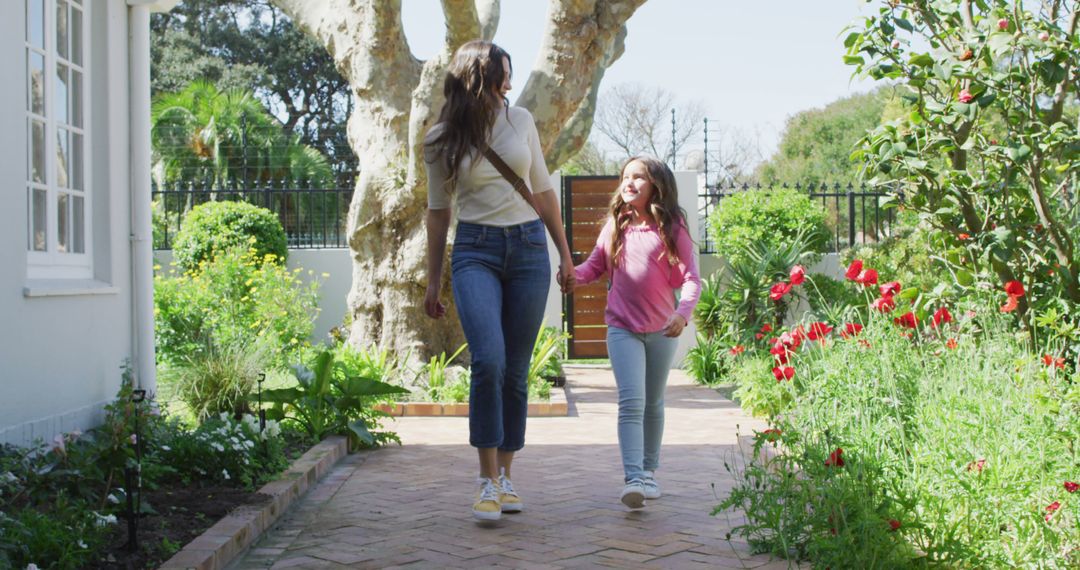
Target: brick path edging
point(554, 407)
point(233, 534)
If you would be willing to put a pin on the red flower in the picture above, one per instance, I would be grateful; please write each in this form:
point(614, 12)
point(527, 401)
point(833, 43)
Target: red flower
point(977, 466)
point(963, 236)
point(818, 331)
point(864, 342)
point(785, 373)
point(835, 458)
point(780, 353)
point(766, 328)
point(798, 275)
point(966, 96)
point(851, 329)
point(942, 315)
point(1051, 509)
point(1003, 24)
point(907, 320)
point(771, 434)
point(759, 336)
point(778, 291)
point(894, 524)
point(883, 304)
point(1010, 305)
point(889, 289)
point(737, 350)
point(1014, 289)
point(867, 277)
point(951, 344)
point(1058, 362)
point(1071, 486)
point(853, 270)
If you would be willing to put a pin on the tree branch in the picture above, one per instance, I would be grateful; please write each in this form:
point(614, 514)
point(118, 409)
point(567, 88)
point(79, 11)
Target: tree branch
point(488, 12)
point(1063, 88)
point(462, 22)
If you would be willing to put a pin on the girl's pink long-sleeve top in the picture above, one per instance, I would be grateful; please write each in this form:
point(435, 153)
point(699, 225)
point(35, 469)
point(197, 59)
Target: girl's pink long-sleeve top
point(642, 294)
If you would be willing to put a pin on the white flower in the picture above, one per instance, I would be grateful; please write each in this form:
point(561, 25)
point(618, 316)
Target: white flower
point(224, 416)
point(225, 474)
point(217, 446)
point(82, 544)
point(31, 566)
point(249, 444)
point(112, 499)
point(10, 477)
point(104, 520)
point(166, 448)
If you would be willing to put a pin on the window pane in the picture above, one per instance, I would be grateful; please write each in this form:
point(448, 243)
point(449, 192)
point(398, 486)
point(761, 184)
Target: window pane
point(38, 217)
point(62, 217)
point(37, 83)
point(61, 104)
point(78, 243)
point(62, 158)
point(76, 36)
point(37, 152)
point(76, 161)
point(35, 18)
point(76, 98)
point(62, 29)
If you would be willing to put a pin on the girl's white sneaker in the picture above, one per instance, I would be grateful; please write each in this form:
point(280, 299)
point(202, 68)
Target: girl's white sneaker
point(633, 494)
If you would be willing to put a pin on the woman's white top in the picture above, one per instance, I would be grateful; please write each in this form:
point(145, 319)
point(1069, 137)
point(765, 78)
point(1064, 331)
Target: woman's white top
point(482, 195)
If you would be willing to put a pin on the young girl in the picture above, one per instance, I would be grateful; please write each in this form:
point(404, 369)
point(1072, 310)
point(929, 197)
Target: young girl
point(647, 252)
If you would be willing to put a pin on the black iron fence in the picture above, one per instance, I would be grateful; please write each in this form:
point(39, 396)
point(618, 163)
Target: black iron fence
point(313, 217)
point(855, 214)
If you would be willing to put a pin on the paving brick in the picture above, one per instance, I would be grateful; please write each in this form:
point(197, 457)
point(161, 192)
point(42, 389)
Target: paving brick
point(408, 505)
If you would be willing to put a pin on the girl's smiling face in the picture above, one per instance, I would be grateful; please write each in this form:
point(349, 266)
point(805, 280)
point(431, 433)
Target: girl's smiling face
point(636, 189)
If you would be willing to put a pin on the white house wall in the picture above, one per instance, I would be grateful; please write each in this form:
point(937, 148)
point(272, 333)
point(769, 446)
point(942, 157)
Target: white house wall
point(62, 343)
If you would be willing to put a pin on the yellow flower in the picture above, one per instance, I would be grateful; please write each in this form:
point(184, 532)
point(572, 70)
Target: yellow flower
point(325, 275)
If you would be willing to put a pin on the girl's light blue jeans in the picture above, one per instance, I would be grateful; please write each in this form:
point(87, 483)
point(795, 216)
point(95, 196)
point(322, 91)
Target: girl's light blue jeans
point(501, 277)
point(641, 362)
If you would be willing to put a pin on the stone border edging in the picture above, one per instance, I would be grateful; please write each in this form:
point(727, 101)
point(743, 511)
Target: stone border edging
point(233, 534)
point(554, 407)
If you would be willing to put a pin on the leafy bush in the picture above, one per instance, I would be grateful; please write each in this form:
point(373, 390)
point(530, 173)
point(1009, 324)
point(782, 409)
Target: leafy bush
point(769, 217)
point(708, 361)
point(215, 227)
point(444, 382)
point(328, 400)
point(911, 444)
point(233, 303)
point(223, 449)
point(908, 256)
point(217, 378)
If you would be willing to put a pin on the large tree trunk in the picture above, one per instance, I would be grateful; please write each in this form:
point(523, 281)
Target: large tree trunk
point(397, 98)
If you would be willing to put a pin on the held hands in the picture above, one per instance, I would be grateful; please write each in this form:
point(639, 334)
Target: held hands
point(432, 305)
point(566, 278)
point(674, 325)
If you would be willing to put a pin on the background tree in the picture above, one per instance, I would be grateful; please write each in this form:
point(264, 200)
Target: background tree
point(968, 70)
point(816, 144)
point(253, 45)
point(590, 161)
point(397, 98)
point(636, 119)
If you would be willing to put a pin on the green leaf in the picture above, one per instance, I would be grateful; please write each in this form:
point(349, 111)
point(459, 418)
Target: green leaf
point(904, 24)
point(851, 39)
point(965, 278)
point(909, 294)
point(999, 42)
point(943, 72)
point(921, 60)
point(359, 428)
point(1020, 154)
point(853, 60)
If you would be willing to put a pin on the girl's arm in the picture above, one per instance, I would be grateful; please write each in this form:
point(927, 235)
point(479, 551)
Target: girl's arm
point(691, 284)
point(597, 263)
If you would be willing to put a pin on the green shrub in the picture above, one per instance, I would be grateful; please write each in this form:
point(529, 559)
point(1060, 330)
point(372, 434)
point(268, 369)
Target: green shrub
point(222, 450)
point(217, 378)
point(708, 362)
point(231, 303)
point(907, 256)
point(769, 217)
point(215, 227)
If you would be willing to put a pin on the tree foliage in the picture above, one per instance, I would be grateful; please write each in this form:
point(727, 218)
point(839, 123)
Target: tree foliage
point(816, 145)
point(253, 46)
point(987, 149)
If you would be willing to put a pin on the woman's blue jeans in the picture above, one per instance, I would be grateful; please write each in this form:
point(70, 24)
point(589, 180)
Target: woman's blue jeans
point(501, 278)
point(641, 362)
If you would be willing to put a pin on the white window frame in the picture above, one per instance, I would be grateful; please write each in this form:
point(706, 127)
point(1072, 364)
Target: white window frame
point(54, 263)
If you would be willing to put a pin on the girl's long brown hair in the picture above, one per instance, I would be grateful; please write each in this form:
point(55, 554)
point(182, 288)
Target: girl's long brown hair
point(473, 97)
point(663, 206)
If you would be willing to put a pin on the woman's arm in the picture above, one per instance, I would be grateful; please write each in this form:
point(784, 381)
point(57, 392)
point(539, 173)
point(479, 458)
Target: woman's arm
point(552, 217)
point(438, 222)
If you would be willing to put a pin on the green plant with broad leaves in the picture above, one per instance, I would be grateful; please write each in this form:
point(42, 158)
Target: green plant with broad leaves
point(707, 362)
point(325, 403)
point(549, 348)
point(988, 149)
point(441, 386)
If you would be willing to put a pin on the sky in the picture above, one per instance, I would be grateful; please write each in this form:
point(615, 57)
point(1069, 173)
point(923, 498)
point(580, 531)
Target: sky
point(752, 63)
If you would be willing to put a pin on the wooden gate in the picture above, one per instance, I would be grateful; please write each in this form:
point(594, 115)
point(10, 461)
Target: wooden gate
point(586, 200)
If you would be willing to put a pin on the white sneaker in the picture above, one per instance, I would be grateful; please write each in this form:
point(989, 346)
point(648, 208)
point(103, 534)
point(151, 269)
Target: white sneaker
point(510, 501)
point(652, 488)
point(487, 507)
point(633, 494)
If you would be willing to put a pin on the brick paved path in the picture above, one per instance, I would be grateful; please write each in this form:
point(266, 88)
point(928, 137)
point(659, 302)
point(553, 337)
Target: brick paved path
point(409, 505)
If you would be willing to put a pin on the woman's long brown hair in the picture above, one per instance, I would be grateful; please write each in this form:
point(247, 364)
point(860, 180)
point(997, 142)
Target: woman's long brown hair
point(473, 97)
point(663, 206)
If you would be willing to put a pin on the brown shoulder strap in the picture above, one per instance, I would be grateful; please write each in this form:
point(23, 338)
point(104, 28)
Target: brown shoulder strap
point(511, 177)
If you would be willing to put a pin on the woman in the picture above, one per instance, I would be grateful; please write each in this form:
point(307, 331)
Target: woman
point(499, 267)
